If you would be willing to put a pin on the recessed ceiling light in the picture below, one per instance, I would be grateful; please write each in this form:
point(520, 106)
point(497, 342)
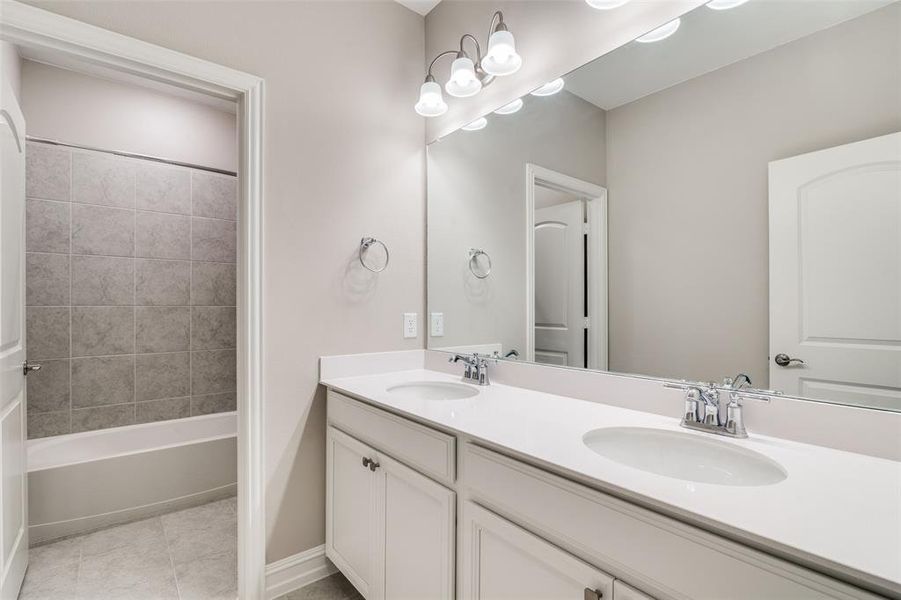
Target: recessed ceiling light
point(661, 33)
point(550, 88)
point(605, 4)
point(724, 4)
point(509, 109)
point(476, 125)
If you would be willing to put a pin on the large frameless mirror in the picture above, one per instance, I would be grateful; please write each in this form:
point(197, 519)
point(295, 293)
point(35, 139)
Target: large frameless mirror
point(723, 199)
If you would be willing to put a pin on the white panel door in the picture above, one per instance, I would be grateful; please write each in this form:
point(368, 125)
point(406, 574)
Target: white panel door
point(835, 273)
point(353, 525)
point(13, 505)
point(419, 535)
point(502, 561)
point(560, 284)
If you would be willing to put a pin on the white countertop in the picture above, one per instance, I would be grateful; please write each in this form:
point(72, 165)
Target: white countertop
point(837, 510)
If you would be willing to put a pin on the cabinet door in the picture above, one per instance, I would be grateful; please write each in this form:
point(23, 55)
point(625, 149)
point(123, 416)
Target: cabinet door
point(621, 591)
point(503, 561)
point(419, 535)
point(353, 532)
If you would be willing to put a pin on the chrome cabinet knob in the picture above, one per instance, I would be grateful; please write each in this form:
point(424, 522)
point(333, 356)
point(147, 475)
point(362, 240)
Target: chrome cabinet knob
point(28, 367)
point(783, 360)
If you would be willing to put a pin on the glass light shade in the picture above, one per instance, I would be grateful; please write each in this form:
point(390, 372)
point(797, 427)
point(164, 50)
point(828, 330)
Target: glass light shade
point(509, 109)
point(724, 4)
point(605, 4)
point(550, 88)
point(501, 57)
point(431, 102)
point(463, 81)
point(476, 125)
point(661, 33)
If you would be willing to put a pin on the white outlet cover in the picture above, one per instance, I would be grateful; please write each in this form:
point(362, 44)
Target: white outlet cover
point(410, 325)
point(437, 325)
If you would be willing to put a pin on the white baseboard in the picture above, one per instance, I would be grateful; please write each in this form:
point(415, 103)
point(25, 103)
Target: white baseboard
point(294, 572)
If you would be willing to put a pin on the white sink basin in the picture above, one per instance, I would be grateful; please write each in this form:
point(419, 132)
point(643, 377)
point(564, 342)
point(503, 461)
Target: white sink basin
point(684, 456)
point(433, 390)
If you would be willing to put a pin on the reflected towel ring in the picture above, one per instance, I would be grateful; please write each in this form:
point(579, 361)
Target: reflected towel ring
point(365, 244)
point(474, 267)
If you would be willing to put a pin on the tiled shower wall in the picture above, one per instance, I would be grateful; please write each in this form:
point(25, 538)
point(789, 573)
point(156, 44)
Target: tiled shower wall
point(130, 277)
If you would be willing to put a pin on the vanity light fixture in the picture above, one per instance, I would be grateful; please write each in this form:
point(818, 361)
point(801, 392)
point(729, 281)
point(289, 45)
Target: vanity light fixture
point(724, 4)
point(661, 33)
point(476, 125)
point(469, 75)
point(605, 4)
point(509, 109)
point(549, 89)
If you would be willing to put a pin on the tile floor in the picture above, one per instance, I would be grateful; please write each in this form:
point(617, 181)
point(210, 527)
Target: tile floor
point(335, 587)
point(185, 555)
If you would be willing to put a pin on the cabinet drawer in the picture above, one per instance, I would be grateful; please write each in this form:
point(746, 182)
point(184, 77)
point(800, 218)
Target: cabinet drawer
point(668, 558)
point(621, 591)
point(426, 450)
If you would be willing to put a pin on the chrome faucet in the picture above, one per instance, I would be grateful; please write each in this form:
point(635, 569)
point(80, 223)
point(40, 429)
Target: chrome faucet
point(709, 420)
point(476, 369)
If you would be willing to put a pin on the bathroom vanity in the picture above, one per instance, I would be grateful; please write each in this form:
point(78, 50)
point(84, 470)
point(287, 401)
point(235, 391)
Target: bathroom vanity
point(440, 489)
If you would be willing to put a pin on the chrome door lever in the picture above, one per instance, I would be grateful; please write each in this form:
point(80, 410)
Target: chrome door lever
point(783, 360)
point(28, 367)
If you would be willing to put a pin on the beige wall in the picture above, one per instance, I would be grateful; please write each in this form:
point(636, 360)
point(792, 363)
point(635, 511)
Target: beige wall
point(476, 198)
point(11, 66)
point(343, 158)
point(687, 180)
point(70, 107)
point(553, 37)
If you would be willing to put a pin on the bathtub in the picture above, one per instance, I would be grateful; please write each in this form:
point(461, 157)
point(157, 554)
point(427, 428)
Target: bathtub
point(81, 482)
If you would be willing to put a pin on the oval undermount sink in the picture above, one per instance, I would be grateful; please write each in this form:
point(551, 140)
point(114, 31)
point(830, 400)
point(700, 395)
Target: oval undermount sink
point(684, 456)
point(433, 390)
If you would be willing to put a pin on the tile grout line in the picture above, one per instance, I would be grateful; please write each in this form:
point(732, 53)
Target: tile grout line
point(134, 299)
point(69, 353)
point(169, 555)
point(191, 296)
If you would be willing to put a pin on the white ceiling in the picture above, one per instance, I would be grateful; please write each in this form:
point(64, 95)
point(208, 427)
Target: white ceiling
point(421, 6)
point(707, 40)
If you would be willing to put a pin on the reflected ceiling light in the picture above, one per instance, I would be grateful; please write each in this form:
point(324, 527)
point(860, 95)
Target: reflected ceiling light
point(476, 125)
point(468, 76)
point(550, 88)
point(724, 4)
point(605, 4)
point(661, 33)
point(463, 81)
point(509, 109)
point(431, 102)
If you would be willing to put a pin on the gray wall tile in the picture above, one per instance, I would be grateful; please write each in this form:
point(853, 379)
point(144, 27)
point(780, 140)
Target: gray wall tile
point(103, 179)
point(212, 327)
point(102, 281)
point(103, 330)
point(47, 226)
point(213, 240)
point(162, 328)
point(48, 389)
point(214, 196)
point(46, 279)
point(163, 188)
point(102, 417)
point(213, 284)
point(102, 230)
point(212, 371)
point(162, 410)
point(47, 332)
point(46, 171)
point(47, 424)
point(160, 235)
point(213, 403)
point(162, 282)
point(162, 375)
point(102, 380)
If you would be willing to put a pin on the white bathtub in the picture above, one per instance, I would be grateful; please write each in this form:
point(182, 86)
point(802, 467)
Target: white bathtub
point(85, 481)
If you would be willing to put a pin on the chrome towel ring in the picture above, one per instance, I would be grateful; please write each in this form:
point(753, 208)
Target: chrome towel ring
point(365, 244)
point(475, 266)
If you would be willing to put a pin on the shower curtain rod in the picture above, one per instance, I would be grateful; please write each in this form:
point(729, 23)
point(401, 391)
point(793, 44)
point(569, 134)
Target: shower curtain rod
point(167, 161)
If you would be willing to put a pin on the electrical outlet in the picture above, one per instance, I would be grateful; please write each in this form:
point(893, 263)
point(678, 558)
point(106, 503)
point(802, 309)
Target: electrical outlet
point(410, 325)
point(437, 324)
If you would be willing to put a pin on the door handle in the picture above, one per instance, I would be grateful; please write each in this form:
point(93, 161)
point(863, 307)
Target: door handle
point(783, 360)
point(28, 367)
point(591, 594)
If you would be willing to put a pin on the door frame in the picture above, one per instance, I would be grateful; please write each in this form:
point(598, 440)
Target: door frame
point(597, 247)
point(65, 39)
